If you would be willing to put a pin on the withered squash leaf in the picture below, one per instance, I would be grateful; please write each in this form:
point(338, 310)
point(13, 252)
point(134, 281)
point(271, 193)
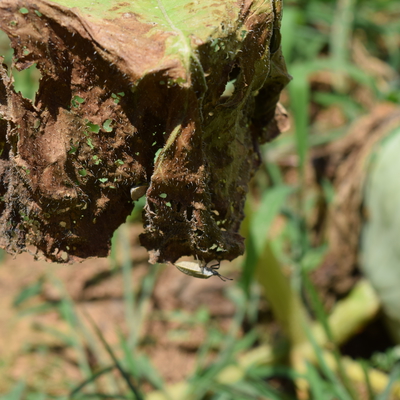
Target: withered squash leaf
point(173, 94)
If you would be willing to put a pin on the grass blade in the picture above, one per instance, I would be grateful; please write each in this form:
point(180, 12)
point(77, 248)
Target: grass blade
point(394, 376)
point(96, 375)
point(126, 377)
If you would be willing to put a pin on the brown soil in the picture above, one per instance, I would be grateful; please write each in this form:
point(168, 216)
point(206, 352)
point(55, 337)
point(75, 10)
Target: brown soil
point(29, 352)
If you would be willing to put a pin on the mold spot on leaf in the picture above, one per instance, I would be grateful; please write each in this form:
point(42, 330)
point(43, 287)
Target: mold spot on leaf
point(96, 160)
point(76, 101)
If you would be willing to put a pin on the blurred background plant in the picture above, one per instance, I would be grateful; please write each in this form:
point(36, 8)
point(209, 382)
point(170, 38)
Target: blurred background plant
point(300, 319)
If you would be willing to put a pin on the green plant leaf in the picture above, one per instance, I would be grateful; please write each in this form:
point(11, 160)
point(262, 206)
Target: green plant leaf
point(380, 256)
point(28, 292)
point(271, 203)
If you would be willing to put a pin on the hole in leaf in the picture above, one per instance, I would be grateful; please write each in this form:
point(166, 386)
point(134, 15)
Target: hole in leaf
point(5, 48)
point(27, 81)
point(96, 160)
point(230, 85)
point(89, 142)
point(76, 101)
point(107, 125)
point(93, 127)
point(156, 155)
point(73, 149)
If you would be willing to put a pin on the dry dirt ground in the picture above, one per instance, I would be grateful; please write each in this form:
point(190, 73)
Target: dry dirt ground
point(30, 351)
point(39, 346)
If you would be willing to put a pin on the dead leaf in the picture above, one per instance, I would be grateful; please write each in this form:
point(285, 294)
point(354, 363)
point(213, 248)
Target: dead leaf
point(133, 96)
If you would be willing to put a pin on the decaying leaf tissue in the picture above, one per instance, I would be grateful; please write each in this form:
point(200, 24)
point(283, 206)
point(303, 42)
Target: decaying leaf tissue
point(135, 94)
